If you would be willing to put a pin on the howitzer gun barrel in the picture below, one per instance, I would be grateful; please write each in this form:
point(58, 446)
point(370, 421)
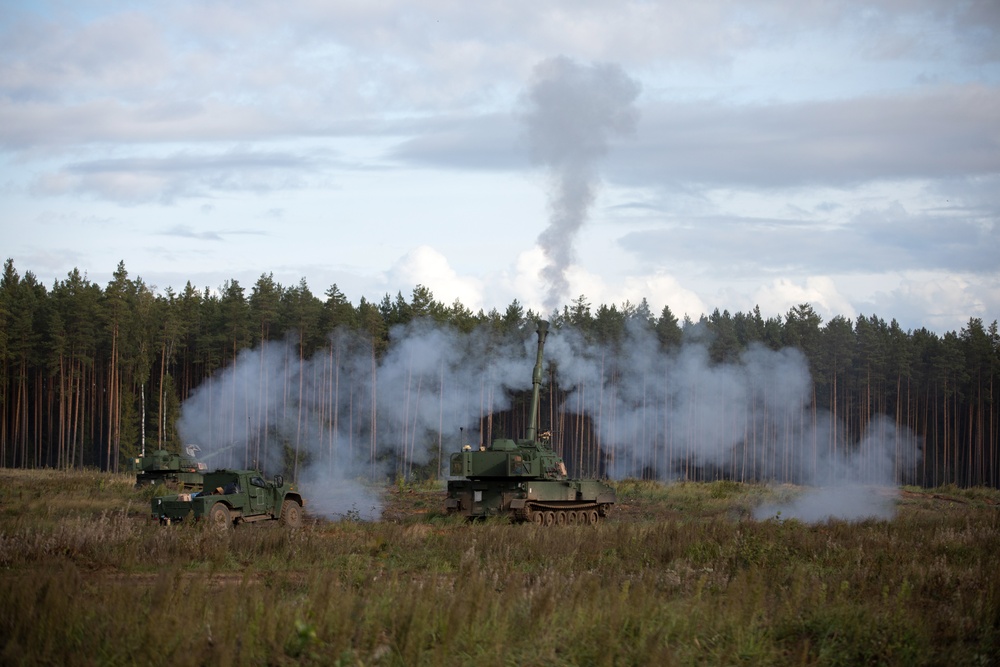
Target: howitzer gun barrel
point(536, 381)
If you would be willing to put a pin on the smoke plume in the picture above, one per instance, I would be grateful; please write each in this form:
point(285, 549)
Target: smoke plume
point(682, 415)
point(571, 112)
point(341, 418)
point(347, 415)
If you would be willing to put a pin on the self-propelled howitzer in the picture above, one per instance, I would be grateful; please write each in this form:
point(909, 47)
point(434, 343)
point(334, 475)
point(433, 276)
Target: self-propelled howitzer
point(525, 479)
point(178, 471)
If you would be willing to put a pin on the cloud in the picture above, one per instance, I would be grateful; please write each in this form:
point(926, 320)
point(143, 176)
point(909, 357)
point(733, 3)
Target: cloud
point(938, 301)
point(185, 231)
point(59, 56)
point(489, 141)
point(820, 291)
point(662, 289)
point(880, 240)
point(781, 143)
point(426, 266)
point(944, 132)
point(183, 175)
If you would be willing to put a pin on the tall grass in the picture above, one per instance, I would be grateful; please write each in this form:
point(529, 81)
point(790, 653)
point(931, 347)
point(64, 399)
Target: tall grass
point(680, 576)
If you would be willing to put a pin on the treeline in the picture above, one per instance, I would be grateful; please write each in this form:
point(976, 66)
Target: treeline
point(91, 374)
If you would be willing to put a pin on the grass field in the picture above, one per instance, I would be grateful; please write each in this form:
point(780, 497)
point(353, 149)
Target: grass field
point(680, 574)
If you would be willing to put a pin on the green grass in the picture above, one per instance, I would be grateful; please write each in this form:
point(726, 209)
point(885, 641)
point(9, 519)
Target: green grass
point(680, 575)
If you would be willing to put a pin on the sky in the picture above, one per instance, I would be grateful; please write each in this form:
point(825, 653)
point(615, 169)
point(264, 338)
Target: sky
point(699, 155)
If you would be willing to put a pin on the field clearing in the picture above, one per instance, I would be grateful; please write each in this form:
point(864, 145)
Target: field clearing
point(680, 575)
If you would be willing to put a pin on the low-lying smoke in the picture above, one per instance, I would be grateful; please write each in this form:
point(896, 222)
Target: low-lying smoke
point(853, 482)
point(570, 113)
point(342, 417)
point(672, 415)
point(346, 415)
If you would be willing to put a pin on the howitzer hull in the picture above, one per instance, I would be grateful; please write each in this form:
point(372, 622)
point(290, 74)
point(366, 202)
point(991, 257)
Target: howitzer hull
point(545, 502)
point(181, 481)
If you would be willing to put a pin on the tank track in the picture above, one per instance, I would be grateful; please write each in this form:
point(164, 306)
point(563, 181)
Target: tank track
point(562, 515)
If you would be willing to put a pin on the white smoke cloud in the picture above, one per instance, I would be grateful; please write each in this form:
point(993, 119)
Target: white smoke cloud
point(346, 415)
point(571, 111)
point(846, 501)
point(339, 417)
point(752, 420)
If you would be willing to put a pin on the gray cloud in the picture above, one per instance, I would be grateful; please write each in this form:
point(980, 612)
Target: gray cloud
point(938, 301)
point(183, 231)
point(490, 141)
point(884, 240)
point(128, 76)
point(187, 162)
point(940, 133)
point(164, 180)
point(188, 232)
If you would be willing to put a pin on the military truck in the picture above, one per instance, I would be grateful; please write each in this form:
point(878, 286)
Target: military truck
point(182, 472)
point(233, 496)
point(524, 480)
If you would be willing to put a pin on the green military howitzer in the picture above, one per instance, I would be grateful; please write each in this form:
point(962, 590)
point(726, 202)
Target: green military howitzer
point(182, 472)
point(526, 479)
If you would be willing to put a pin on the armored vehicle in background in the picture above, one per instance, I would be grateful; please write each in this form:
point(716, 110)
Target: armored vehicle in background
point(524, 479)
point(182, 472)
point(233, 496)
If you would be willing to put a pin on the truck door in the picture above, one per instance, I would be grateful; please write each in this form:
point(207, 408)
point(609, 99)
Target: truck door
point(258, 495)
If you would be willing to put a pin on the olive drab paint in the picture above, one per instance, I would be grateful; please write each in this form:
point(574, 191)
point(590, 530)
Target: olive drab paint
point(230, 497)
point(524, 479)
point(182, 472)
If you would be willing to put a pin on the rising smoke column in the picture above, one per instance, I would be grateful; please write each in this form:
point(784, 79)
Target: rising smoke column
point(572, 110)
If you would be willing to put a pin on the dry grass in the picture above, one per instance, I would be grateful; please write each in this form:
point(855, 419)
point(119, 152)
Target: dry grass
point(679, 575)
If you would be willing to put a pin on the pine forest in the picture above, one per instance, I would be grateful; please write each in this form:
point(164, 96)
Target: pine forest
point(92, 375)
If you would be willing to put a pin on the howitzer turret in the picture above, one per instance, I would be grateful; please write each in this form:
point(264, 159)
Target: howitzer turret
point(524, 479)
point(180, 471)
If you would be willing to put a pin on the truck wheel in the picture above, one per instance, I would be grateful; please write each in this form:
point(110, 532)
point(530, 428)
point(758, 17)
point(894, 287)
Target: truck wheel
point(291, 514)
point(219, 516)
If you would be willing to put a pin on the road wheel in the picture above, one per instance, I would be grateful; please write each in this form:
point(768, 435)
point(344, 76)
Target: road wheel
point(560, 518)
point(550, 518)
point(537, 518)
point(291, 514)
point(592, 517)
point(220, 517)
point(571, 518)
